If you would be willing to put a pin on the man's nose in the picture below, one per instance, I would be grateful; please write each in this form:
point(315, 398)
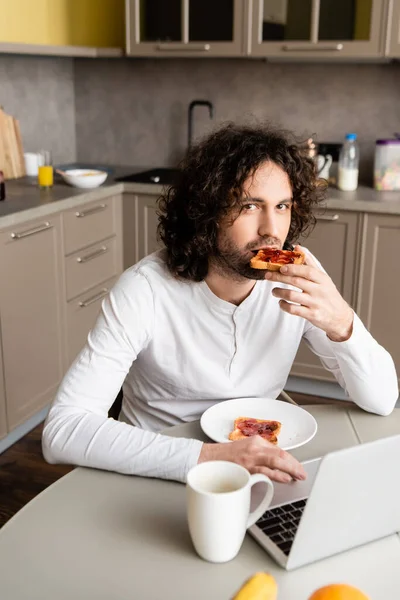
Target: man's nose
point(268, 226)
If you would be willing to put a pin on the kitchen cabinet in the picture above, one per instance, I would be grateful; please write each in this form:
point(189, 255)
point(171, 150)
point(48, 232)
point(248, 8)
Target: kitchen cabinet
point(184, 27)
point(31, 316)
point(147, 226)
point(139, 227)
point(379, 297)
point(393, 29)
point(81, 316)
point(322, 29)
point(55, 272)
point(92, 262)
point(334, 244)
point(63, 27)
point(3, 414)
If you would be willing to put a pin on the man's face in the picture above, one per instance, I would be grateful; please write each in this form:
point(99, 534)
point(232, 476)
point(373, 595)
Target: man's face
point(264, 220)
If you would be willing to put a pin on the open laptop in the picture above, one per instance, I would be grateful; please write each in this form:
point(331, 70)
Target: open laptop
point(350, 497)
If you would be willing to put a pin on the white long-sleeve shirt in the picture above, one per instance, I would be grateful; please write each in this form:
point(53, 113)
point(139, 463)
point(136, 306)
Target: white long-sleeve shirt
point(177, 349)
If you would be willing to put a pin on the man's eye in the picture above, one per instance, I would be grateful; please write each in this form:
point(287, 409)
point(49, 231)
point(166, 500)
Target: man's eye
point(249, 206)
point(282, 207)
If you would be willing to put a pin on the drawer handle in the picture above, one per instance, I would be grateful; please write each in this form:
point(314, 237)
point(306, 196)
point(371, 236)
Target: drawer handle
point(335, 217)
point(91, 211)
point(182, 46)
point(325, 48)
point(94, 298)
point(92, 255)
point(28, 232)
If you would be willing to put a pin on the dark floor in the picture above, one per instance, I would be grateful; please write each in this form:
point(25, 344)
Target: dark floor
point(24, 473)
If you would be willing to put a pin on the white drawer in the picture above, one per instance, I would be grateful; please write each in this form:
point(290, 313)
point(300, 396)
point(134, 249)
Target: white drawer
point(88, 224)
point(89, 267)
point(81, 317)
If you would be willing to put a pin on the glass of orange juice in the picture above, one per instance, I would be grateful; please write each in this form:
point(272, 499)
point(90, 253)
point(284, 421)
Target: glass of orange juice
point(45, 170)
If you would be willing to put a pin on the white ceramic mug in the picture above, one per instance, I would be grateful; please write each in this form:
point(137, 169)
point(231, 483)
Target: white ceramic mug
point(218, 507)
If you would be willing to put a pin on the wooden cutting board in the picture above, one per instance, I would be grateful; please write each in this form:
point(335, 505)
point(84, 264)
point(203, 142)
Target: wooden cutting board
point(11, 150)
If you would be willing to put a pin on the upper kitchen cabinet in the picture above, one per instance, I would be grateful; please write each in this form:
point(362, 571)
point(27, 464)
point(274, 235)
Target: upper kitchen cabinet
point(63, 27)
point(393, 37)
point(316, 29)
point(184, 27)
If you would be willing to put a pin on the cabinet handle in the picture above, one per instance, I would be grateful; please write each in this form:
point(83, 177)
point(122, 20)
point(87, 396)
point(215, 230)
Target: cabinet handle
point(176, 47)
point(95, 254)
point(94, 298)
point(335, 217)
point(316, 48)
point(91, 211)
point(28, 232)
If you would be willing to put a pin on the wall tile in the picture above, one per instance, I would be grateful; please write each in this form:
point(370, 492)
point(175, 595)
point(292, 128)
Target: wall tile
point(39, 91)
point(134, 111)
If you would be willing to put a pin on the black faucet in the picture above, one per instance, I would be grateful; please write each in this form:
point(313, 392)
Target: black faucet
point(190, 115)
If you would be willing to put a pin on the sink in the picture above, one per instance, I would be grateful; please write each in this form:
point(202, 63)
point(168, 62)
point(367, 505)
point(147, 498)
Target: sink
point(160, 176)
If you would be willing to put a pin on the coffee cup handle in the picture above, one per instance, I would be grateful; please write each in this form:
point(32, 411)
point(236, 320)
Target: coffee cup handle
point(265, 502)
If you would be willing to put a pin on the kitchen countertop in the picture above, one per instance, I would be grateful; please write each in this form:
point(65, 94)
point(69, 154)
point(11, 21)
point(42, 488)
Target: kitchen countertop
point(25, 201)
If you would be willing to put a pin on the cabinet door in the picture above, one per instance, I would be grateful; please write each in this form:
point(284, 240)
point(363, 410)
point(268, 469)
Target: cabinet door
point(31, 319)
point(3, 415)
point(334, 244)
point(130, 229)
point(379, 298)
point(139, 227)
point(184, 27)
point(393, 41)
point(147, 226)
point(317, 28)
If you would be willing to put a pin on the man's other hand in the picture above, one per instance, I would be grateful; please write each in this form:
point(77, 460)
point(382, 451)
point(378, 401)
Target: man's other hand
point(257, 456)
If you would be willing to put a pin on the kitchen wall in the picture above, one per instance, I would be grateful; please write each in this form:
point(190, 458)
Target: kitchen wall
point(39, 91)
point(134, 111)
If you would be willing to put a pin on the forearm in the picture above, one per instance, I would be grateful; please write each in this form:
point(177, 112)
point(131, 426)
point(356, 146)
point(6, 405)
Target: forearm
point(363, 368)
point(91, 440)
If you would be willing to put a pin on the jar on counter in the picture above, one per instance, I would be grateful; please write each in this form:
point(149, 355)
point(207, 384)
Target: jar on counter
point(387, 164)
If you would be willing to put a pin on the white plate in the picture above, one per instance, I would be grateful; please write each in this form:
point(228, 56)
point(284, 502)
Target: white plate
point(298, 425)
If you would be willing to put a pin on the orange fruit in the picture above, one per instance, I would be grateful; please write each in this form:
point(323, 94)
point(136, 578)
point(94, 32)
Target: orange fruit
point(338, 591)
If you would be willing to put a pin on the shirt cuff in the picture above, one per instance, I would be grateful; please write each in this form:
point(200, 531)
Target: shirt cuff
point(359, 336)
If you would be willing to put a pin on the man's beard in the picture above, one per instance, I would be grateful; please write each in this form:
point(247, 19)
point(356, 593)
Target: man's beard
point(234, 262)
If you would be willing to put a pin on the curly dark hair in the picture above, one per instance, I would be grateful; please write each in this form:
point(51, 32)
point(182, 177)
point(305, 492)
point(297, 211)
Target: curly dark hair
point(210, 186)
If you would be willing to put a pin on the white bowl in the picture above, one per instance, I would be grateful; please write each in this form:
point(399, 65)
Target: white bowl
point(85, 178)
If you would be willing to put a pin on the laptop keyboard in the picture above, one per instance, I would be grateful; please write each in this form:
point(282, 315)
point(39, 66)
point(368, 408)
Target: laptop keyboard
point(280, 524)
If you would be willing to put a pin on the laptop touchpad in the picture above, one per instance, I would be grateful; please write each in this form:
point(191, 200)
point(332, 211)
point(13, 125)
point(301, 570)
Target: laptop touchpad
point(287, 492)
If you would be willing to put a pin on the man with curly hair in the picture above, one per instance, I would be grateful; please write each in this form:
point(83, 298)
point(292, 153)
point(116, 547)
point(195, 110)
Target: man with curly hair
point(195, 324)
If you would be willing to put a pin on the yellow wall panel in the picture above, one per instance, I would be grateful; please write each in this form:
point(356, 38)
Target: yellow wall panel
point(23, 21)
point(98, 23)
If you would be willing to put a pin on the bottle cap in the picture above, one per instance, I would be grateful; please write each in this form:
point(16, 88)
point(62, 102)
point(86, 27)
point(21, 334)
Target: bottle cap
point(351, 137)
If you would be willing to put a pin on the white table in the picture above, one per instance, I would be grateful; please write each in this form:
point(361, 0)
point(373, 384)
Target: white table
point(95, 535)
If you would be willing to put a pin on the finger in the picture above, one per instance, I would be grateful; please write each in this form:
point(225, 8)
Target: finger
point(273, 474)
point(296, 310)
point(282, 461)
point(305, 271)
point(309, 259)
point(291, 296)
point(299, 282)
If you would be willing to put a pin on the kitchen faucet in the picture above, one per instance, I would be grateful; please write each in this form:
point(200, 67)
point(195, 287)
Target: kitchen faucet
point(190, 115)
